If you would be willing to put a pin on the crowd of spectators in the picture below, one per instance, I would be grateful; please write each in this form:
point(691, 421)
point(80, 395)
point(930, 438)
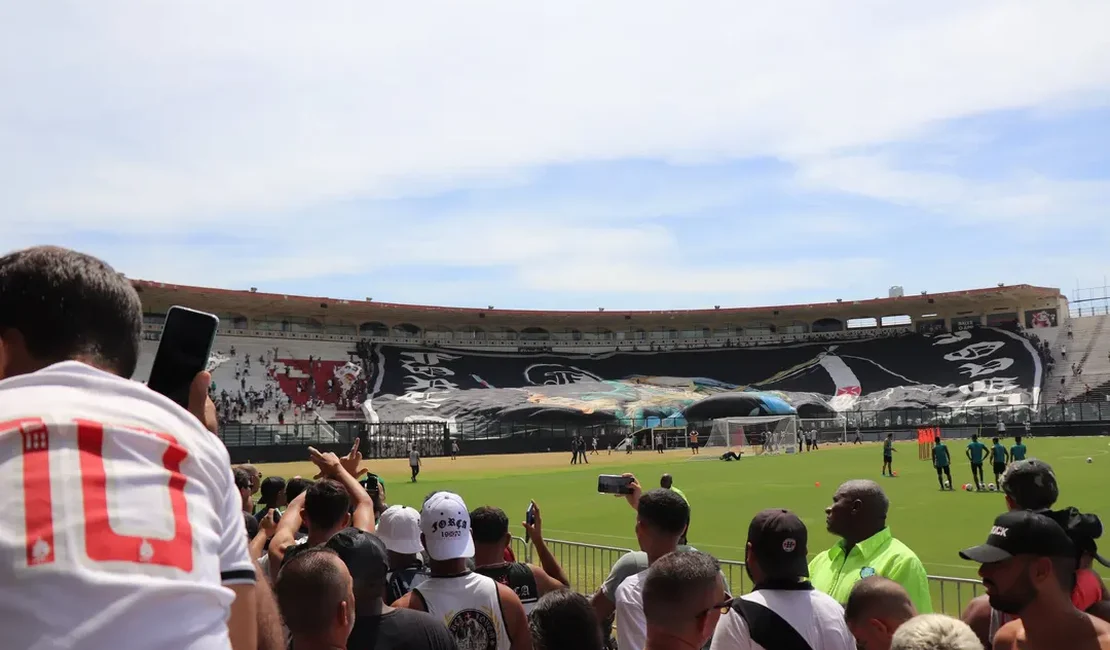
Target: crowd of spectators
point(328, 563)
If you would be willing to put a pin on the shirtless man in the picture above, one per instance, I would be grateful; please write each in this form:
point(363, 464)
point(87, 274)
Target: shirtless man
point(1028, 569)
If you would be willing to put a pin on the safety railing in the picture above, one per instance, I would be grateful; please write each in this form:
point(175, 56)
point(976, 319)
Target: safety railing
point(587, 566)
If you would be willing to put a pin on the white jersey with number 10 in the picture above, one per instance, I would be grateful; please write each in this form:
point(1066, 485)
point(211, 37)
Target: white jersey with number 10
point(120, 524)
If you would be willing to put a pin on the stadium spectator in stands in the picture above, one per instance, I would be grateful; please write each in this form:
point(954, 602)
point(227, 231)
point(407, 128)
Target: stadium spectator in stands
point(1028, 568)
point(324, 506)
point(399, 530)
point(70, 328)
point(876, 608)
point(783, 608)
point(1031, 485)
point(564, 619)
point(465, 600)
point(377, 625)
point(315, 593)
point(490, 528)
point(243, 487)
point(252, 527)
point(661, 519)
point(866, 547)
point(934, 632)
point(272, 496)
point(256, 477)
point(684, 595)
point(629, 564)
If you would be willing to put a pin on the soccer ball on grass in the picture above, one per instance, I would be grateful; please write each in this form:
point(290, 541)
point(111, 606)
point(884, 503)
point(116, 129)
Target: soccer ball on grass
point(991, 487)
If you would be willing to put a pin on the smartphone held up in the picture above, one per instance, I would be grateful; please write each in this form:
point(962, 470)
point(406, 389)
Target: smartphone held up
point(183, 351)
point(614, 484)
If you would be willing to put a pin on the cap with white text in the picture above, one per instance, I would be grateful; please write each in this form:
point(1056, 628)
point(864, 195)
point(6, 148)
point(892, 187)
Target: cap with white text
point(445, 523)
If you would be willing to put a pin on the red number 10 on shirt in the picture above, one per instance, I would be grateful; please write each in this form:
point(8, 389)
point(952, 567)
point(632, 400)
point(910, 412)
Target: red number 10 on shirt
point(102, 544)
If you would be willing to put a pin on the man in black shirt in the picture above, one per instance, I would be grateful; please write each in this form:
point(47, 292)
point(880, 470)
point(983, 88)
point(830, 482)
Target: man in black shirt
point(377, 625)
point(489, 527)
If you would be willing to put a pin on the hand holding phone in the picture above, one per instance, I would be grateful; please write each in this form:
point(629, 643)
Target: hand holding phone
point(529, 521)
point(183, 352)
point(615, 484)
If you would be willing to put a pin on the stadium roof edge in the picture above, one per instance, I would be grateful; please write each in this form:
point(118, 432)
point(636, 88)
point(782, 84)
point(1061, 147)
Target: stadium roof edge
point(160, 295)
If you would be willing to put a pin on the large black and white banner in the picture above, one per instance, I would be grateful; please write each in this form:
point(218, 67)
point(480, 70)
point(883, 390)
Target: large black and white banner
point(975, 367)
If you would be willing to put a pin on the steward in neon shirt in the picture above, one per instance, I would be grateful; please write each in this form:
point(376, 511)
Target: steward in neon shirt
point(866, 548)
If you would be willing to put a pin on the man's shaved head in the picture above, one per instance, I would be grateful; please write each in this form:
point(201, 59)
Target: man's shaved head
point(876, 608)
point(870, 495)
point(878, 597)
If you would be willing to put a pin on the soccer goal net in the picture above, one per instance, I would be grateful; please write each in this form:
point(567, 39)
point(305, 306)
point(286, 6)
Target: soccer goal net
point(757, 435)
point(823, 430)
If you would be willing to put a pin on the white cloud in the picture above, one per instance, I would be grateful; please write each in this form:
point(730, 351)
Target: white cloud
point(135, 115)
point(1027, 199)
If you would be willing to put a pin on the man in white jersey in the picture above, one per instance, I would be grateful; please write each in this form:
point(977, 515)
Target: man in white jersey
point(118, 516)
point(480, 613)
point(661, 518)
point(783, 610)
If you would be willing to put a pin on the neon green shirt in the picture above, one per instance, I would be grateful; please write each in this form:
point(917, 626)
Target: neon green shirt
point(681, 494)
point(835, 574)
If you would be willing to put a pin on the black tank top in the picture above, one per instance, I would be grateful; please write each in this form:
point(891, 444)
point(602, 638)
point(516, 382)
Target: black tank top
point(518, 577)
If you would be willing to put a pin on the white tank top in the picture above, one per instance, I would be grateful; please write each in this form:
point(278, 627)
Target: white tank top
point(470, 607)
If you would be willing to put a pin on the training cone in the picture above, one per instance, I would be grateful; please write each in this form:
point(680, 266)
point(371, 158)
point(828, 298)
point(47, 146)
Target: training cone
point(894, 473)
point(817, 484)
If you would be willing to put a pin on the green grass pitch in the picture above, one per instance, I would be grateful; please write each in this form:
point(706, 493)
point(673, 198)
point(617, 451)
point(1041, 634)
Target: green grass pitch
point(724, 496)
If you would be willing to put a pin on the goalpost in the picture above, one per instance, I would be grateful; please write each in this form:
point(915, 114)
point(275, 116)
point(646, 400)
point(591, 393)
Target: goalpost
point(831, 429)
point(756, 436)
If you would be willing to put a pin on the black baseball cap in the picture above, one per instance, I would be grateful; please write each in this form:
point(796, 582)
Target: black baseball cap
point(779, 541)
point(1082, 528)
point(363, 553)
point(1031, 483)
point(1021, 532)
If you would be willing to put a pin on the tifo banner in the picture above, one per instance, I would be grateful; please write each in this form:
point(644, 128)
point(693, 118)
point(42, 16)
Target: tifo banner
point(1039, 318)
point(981, 367)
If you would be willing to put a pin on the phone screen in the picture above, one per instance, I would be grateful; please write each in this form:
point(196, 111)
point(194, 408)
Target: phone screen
point(614, 484)
point(182, 352)
point(370, 483)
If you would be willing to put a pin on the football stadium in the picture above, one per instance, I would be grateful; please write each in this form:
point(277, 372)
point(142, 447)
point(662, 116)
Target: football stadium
point(497, 402)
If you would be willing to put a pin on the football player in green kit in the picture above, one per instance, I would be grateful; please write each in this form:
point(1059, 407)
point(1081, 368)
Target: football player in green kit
point(976, 451)
point(942, 461)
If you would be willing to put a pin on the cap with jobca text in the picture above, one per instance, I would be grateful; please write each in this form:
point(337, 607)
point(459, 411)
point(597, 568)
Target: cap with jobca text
point(445, 524)
point(1021, 532)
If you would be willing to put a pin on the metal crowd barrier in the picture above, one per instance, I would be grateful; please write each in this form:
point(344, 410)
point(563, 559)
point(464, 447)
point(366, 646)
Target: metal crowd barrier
point(587, 565)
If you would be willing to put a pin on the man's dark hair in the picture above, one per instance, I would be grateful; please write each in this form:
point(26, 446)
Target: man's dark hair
point(890, 435)
point(664, 511)
point(309, 589)
point(673, 583)
point(994, 440)
point(1017, 440)
point(68, 305)
point(326, 503)
point(252, 525)
point(666, 481)
point(242, 478)
point(270, 490)
point(564, 619)
point(975, 436)
point(488, 525)
point(295, 487)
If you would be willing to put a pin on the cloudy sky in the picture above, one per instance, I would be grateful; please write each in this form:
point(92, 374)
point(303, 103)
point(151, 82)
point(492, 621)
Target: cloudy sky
point(567, 154)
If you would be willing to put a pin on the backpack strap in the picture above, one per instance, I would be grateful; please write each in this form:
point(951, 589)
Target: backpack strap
point(767, 628)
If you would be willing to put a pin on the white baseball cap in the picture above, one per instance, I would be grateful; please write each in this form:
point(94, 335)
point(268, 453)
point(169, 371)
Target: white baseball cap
point(399, 528)
point(445, 523)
